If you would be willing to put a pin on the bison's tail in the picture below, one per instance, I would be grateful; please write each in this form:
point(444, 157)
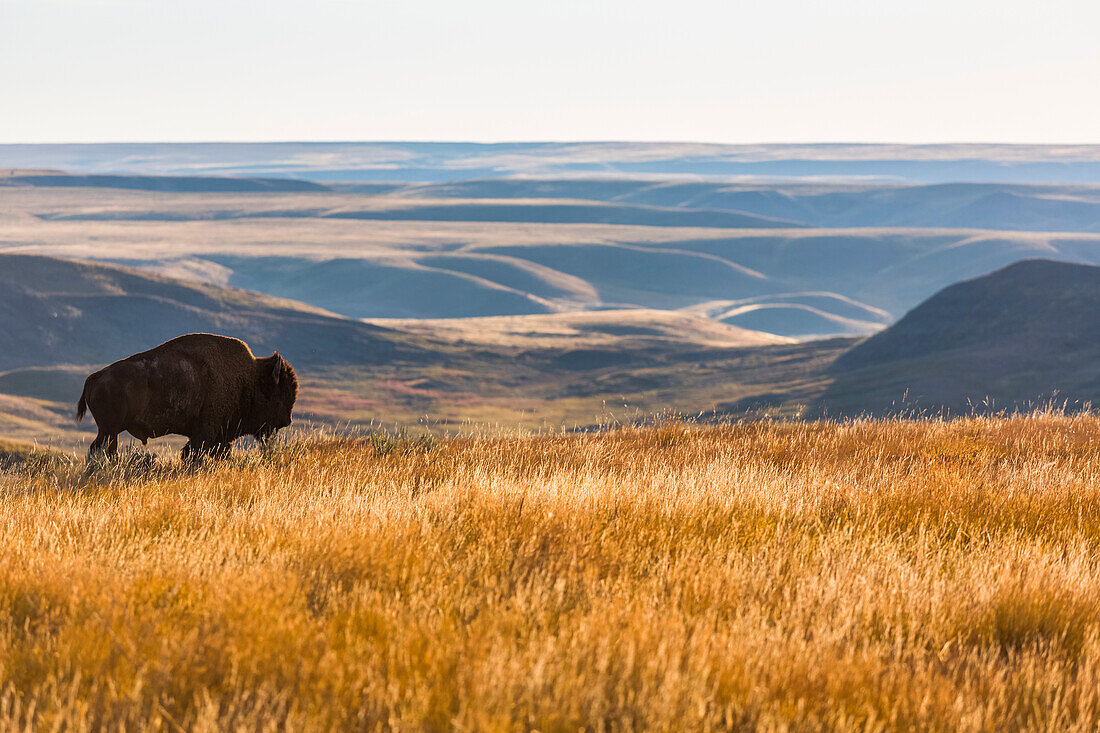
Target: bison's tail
point(82, 406)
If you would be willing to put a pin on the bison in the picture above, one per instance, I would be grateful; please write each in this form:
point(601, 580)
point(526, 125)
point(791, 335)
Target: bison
point(208, 388)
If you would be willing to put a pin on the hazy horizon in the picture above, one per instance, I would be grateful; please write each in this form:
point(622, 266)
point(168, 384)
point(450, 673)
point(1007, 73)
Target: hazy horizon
point(559, 141)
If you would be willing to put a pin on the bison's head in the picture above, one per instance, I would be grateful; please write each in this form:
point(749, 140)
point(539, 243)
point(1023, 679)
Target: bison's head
point(278, 389)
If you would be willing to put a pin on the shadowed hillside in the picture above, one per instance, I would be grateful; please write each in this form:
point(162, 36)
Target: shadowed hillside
point(175, 184)
point(360, 288)
point(657, 276)
point(1023, 334)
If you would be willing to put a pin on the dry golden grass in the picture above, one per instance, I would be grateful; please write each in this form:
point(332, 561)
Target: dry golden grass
point(885, 575)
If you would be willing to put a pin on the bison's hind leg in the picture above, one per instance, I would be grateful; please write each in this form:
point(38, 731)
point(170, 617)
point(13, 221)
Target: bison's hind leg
point(105, 443)
point(98, 444)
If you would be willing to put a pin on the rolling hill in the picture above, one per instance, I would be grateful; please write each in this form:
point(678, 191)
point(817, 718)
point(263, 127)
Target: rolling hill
point(1023, 335)
point(1011, 339)
point(66, 318)
point(819, 313)
point(623, 330)
point(992, 206)
point(416, 251)
point(995, 206)
point(64, 312)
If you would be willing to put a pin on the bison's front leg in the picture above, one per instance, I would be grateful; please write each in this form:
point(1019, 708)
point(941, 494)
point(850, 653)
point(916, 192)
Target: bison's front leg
point(197, 449)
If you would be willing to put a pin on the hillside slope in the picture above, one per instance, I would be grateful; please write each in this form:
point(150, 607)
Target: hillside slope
point(64, 312)
point(1021, 335)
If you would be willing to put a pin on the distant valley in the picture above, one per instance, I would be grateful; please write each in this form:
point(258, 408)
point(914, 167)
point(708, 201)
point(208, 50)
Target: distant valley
point(553, 302)
point(421, 252)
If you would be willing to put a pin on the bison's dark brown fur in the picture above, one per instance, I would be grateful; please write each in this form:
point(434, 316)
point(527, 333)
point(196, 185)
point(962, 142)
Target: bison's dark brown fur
point(208, 388)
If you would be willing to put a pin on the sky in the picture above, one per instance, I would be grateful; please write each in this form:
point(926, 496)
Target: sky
point(516, 70)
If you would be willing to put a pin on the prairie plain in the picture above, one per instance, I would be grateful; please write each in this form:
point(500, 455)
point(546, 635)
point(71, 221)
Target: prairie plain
point(875, 575)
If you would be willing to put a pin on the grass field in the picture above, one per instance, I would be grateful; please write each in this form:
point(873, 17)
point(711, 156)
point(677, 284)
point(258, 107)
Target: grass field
point(880, 575)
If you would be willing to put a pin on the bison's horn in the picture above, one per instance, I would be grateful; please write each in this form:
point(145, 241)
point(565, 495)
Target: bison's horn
point(277, 370)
